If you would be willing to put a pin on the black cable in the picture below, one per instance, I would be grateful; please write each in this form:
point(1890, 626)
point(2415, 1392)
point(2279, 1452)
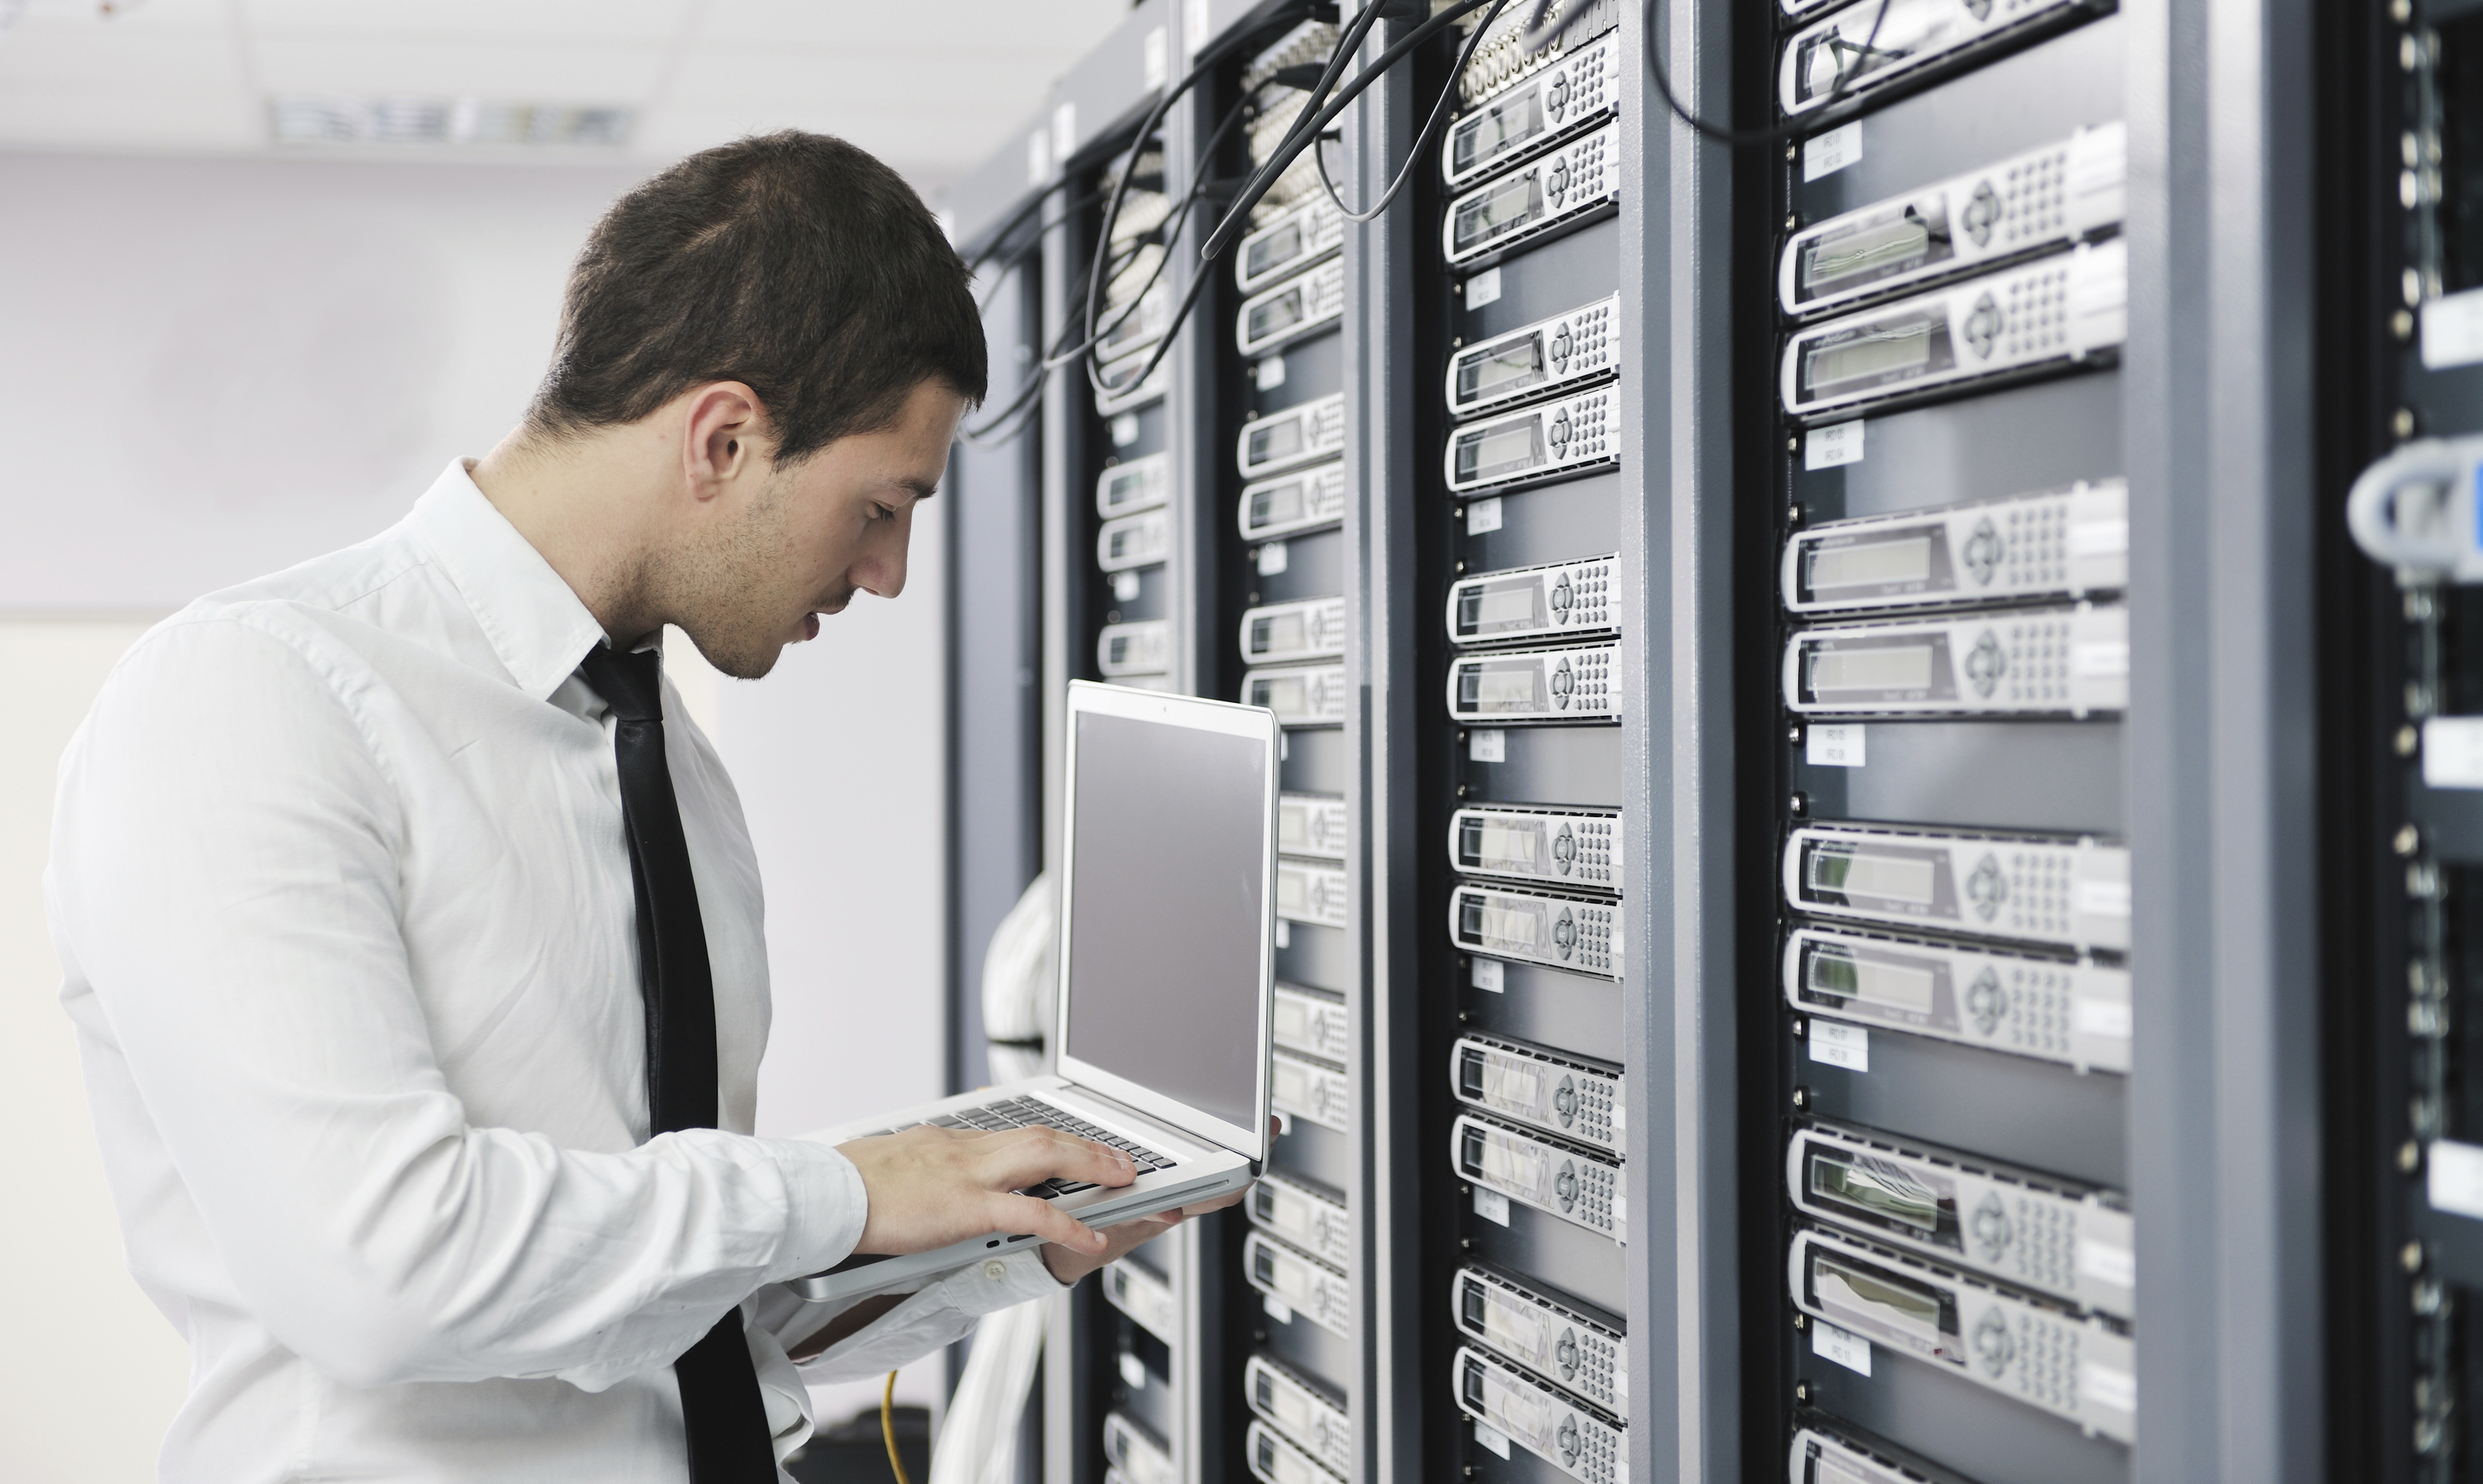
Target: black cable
point(1727, 133)
point(1311, 126)
point(1165, 232)
point(1121, 189)
point(1016, 219)
point(1431, 126)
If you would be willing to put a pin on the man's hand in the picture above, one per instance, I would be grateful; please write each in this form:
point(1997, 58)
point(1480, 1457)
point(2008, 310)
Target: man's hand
point(1069, 1264)
point(929, 1186)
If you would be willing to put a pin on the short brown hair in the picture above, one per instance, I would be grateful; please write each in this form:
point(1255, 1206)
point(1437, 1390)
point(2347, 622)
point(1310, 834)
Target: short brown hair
point(793, 262)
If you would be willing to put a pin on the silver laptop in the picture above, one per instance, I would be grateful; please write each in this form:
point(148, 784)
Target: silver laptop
point(1166, 963)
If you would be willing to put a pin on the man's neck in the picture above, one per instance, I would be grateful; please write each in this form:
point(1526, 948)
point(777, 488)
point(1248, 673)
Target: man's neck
point(580, 503)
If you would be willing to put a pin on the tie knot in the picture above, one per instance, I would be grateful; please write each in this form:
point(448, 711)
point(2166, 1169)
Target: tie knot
point(632, 684)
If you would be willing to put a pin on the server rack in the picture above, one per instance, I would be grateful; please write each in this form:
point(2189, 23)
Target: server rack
point(2140, 1079)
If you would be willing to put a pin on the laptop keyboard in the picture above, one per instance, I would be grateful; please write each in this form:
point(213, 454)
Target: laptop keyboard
point(1029, 1113)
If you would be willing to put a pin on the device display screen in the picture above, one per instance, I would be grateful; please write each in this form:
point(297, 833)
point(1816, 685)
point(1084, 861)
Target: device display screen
point(1501, 685)
point(1276, 441)
point(1898, 561)
point(1500, 127)
point(1277, 316)
point(1166, 926)
point(1881, 1303)
point(1278, 633)
point(1886, 668)
point(1280, 246)
point(1500, 210)
point(1863, 670)
point(1488, 608)
point(1276, 503)
point(1842, 873)
point(1834, 973)
point(1882, 1192)
point(1897, 349)
point(1498, 843)
point(1506, 367)
point(1875, 247)
point(1500, 450)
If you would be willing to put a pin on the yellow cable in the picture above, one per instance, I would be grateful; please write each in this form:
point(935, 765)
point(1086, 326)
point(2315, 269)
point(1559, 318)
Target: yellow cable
point(888, 1428)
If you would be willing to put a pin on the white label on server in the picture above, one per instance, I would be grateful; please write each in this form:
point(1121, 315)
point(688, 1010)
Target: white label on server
point(2109, 1385)
point(1065, 130)
point(1273, 558)
point(2111, 1018)
point(1492, 1438)
point(1824, 154)
point(1156, 58)
point(2452, 331)
point(1849, 1350)
point(2452, 752)
point(1491, 974)
point(2454, 1181)
point(1197, 27)
point(1272, 372)
point(2108, 1263)
point(1487, 744)
point(1134, 1371)
point(1277, 1309)
point(1482, 288)
point(1283, 933)
point(1125, 430)
point(1491, 1206)
point(1125, 587)
point(1840, 1046)
point(1833, 745)
point(1038, 157)
point(1832, 447)
point(1482, 516)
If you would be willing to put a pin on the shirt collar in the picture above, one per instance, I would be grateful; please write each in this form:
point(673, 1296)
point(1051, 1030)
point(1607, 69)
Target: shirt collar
point(535, 620)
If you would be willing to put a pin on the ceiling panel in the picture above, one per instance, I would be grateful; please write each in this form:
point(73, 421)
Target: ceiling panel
point(1047, 34)
point(78, 58)
point(934, 88)
point(478, 21)
point(578, 71)
point(148, 121)
point(976, 85)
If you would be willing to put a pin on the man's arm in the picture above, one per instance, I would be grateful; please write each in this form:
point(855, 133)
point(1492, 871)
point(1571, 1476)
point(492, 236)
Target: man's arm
point(226, 873)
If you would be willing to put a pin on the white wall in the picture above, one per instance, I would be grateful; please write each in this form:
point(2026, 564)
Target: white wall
point(214, 369)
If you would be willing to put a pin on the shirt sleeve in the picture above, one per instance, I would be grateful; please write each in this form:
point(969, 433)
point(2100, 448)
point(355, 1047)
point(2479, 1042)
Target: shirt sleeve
point(937, 1314)
point(225, 878)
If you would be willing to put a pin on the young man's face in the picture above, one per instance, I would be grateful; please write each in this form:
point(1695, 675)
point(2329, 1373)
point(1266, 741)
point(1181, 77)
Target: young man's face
point(813, 535)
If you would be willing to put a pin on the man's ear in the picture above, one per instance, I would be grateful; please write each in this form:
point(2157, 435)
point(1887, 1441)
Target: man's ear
point(722, 429)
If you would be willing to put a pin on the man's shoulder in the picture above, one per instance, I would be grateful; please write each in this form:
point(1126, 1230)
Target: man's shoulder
point(338, 582)
point(304, 619)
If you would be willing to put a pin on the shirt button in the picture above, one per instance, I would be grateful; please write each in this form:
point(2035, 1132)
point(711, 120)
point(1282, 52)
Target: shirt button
point(995, 1270)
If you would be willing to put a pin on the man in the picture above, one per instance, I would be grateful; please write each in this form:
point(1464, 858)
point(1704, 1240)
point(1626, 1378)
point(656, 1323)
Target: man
point(412, 935)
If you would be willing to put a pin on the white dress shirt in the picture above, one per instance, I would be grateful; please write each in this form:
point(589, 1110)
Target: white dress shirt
point(339, 888)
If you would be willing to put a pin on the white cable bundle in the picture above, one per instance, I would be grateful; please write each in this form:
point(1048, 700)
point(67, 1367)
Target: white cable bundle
point(978, 1439)
point(1018, 988)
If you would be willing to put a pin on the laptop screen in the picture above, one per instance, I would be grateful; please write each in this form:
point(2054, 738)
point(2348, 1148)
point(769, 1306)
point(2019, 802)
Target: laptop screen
point(1166, 919)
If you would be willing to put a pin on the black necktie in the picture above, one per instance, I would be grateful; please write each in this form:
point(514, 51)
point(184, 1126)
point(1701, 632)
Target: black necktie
point(727, 1424)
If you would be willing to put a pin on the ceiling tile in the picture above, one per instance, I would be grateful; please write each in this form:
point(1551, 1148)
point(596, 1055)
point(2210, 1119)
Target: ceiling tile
point(145, 119)
point(919, 77)
point(192, 17)
point(481, 21)
point(578, 71)
point(65, 58)
point(922, 145)
point(1035, 29)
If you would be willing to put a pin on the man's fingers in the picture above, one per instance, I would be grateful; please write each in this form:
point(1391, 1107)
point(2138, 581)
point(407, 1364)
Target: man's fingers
point(1031, 1155)
point(1043, 1219)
